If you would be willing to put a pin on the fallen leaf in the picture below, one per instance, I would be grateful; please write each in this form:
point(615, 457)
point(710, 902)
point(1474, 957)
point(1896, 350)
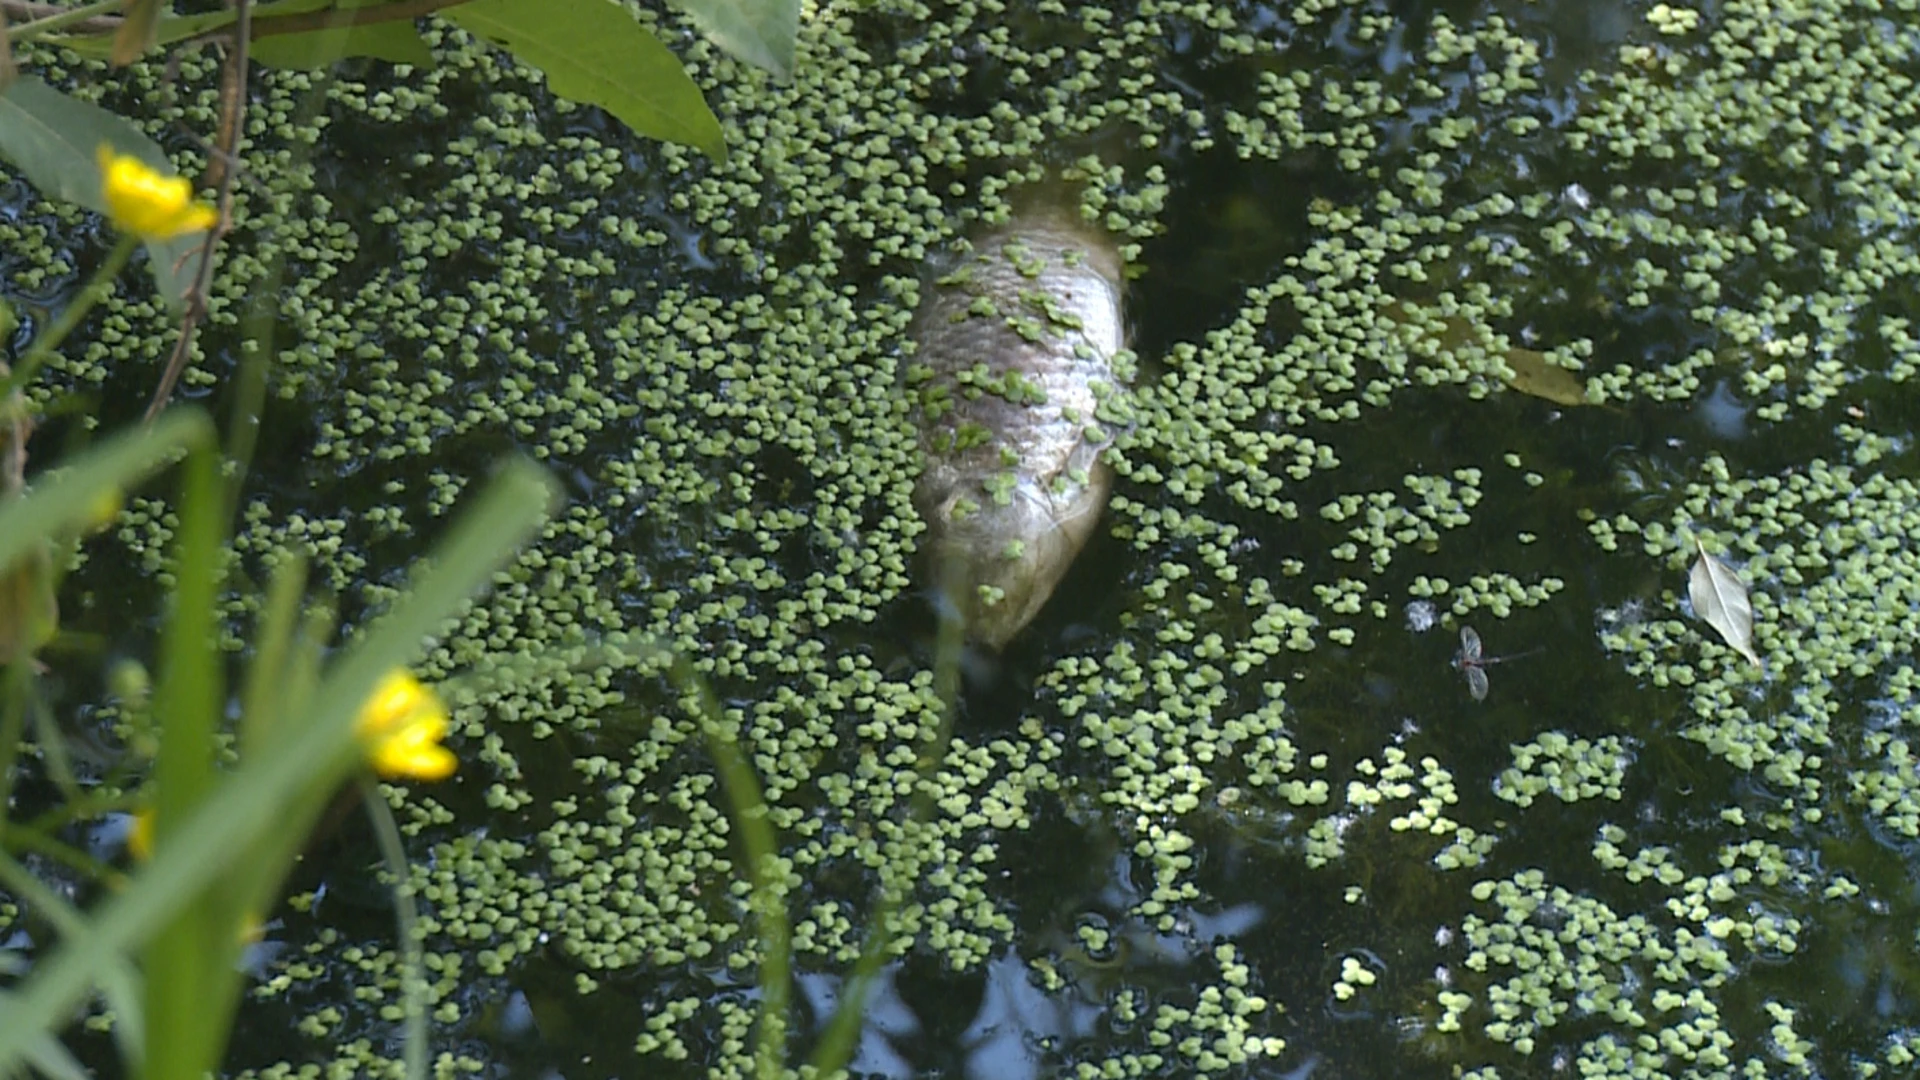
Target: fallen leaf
point(139, 29)
point(1720, 597)
point(1534, 374)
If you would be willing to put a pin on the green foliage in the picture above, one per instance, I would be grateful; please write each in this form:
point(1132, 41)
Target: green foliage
point(394, 40)
point(592, 51)
point(760, 32)
point(52, 139)
point(359, 40)
point(224, 836)
point(64, 505)
point(235, 836)
point(189, 964)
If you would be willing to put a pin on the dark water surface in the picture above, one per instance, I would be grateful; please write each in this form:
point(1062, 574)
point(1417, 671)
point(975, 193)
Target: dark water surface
point(613, 379)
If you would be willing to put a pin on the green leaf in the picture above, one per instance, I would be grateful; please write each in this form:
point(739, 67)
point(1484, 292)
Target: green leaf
point(395, 41)
point(52, 139)
point(29, 607)
point(120, 984)
point(760, 32)
point(138, 28)
point(190, 966)
point(52, 1060)
point(593, 51)
point(64, 502)
point(173, 30)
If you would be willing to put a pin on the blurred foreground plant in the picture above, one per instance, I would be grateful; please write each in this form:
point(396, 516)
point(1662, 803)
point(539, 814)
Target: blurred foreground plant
point(224, 839)
point(162, 947)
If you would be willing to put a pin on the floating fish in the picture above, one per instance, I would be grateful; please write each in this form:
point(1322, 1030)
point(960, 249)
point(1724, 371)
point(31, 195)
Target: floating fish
point(1014, 360)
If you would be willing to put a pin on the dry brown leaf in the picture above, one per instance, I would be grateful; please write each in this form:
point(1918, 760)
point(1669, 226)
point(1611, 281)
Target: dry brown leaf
point(139, 29)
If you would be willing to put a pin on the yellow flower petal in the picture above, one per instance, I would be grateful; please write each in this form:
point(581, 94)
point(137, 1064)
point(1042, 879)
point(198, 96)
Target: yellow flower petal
point(143, 202)
point(140, 835)
point(400, 729)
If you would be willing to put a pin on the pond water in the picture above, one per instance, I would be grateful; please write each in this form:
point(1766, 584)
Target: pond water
point(1226, 808)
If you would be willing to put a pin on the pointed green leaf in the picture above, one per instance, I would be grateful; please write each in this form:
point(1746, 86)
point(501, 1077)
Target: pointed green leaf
point(63, 502)
point(395, 42)
point(52, 138)
point(1720, 598)
point(52, 1060)
point(759, 32)
point(172, 30)
point(593, 51)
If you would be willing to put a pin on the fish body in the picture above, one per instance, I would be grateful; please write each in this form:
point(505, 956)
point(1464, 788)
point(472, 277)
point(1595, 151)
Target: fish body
point(1014, 358)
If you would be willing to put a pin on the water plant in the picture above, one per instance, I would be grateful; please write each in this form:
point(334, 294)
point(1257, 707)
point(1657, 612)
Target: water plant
point(1244, 813)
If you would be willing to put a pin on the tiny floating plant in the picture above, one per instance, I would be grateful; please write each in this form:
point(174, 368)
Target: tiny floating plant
point(1472, 662)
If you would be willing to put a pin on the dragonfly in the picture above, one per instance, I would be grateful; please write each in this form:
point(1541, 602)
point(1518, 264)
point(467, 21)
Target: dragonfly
point(1471, 661)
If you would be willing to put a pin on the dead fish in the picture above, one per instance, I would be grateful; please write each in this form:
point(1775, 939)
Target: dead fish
point(1014, 361)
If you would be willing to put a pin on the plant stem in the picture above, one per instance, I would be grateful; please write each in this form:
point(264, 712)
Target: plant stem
point(413, 965)
point(841, 1036)
point(97, 289)
point(26, 841)
point(13, 722)
point(768, 901)
point(49, 24)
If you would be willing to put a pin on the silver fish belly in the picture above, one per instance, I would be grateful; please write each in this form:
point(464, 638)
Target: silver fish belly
point(1014, 357)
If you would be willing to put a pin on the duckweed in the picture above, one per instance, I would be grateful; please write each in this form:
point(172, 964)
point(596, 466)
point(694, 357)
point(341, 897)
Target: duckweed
point(1236, 714)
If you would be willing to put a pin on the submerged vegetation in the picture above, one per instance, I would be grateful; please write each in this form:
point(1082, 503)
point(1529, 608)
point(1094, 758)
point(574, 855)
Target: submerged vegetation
point(1227, 811)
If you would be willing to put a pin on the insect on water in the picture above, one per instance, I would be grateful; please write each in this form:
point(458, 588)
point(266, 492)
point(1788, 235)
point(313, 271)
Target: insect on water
point(1473, 663)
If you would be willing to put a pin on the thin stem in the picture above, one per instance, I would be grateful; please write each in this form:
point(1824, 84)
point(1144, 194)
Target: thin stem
point(61, 20)
point(22, 840)
point(221, 165)
point(13, 728)
point(837, 1041)
point(768, 900)
point(97, 289)
point(88, 805)
point(413, 975)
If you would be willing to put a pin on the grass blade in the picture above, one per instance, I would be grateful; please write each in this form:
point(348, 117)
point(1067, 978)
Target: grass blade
point(189, 966)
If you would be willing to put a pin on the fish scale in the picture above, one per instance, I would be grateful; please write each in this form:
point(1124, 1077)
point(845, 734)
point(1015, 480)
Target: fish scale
point(1014, 354)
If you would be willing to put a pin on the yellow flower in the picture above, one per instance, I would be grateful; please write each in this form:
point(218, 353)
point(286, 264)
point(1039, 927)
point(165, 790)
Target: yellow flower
point(105, 509)
point(140, 834)
point(401, 726)
point(143, 202)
